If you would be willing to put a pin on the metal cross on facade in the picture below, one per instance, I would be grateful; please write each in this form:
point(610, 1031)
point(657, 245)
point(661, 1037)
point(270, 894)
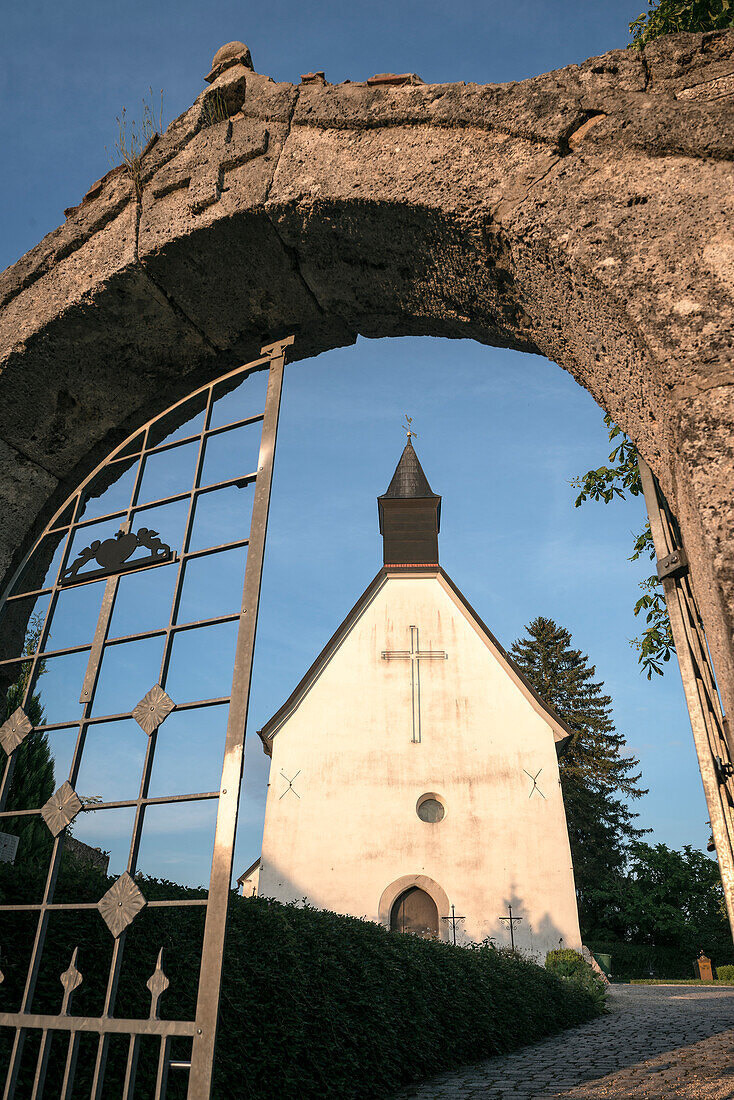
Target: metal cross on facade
point(290, 783)
point(512, 921)
point(452, 920)
point(415, 655)
point(535, 786)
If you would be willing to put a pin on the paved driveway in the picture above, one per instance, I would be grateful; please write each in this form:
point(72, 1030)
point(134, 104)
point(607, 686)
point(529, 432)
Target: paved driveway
point(658, 1043)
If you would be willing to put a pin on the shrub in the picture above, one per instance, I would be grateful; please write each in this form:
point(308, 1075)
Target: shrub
point(314, 1005)
point(573, 967)
point(725, 973)
point(566, 963)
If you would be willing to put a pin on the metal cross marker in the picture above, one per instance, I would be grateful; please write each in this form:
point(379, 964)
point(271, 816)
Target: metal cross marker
point(535, 786)
point(512, 921)
point(453, 919)
point(415, 655)
point(290, 783)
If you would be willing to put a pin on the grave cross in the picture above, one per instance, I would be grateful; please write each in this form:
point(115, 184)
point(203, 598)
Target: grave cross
point(415, 655)
point(453, 919)
point(512, 921)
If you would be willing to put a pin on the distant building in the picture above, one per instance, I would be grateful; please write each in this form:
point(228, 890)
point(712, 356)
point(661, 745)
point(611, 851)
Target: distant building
point(85, 855)
point(248, 880)
point(413, 767)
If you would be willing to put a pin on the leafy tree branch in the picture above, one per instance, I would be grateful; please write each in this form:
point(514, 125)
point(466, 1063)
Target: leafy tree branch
point(622, 476)
point(674, 16)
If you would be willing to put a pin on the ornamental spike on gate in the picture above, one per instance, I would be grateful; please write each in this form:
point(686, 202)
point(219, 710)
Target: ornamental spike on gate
point(157, 983)
point(71, 979)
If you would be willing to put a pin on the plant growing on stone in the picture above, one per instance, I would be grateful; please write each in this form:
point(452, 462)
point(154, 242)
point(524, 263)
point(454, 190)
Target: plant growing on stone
point(655, 645)
point(674, 16)
point(134, 138)
point(214, 108)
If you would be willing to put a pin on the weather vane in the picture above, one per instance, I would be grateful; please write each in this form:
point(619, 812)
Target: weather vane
point(407, 427)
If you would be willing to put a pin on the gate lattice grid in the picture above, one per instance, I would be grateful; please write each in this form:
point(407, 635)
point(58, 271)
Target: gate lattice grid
point(198, 422)
point(711, 730)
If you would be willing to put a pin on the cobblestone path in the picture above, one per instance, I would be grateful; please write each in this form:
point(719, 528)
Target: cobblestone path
point(657, 1043)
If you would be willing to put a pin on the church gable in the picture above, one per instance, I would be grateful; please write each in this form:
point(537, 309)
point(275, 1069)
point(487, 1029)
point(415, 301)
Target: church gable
point(404, 625)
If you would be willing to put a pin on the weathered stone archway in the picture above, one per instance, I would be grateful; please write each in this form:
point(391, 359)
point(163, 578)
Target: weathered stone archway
point(584, 214)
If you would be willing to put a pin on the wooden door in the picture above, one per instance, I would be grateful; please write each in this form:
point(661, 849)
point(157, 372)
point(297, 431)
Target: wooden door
point(415, 911)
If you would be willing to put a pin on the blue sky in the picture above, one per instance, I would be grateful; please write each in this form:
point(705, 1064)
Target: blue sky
point(500, 434)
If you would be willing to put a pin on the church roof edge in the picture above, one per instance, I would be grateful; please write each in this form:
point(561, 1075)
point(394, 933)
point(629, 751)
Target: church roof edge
point(246, 874)
point(271, 726)
point(562, 730)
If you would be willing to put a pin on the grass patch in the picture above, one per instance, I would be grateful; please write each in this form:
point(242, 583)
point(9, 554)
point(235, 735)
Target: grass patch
point(677, 981)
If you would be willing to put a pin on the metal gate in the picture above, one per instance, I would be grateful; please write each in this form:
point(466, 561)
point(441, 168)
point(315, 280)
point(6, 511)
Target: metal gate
point(711, 732)
point(103, 535)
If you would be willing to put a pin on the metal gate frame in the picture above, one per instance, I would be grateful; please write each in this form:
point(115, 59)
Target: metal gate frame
point(711, 732)
point(65, 804)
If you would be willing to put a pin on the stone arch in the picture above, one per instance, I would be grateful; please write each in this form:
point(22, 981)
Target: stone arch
point(581, 214)
point(392, 892)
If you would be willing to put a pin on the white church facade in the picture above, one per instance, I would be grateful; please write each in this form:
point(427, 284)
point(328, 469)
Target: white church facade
point(414, 773)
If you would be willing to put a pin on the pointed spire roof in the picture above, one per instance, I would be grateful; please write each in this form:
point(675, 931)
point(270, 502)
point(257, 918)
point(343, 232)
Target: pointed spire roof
point(408, 481)
point(410, 516)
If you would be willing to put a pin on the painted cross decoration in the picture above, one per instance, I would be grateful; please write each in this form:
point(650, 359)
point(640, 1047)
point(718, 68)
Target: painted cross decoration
point(535, 786)
point(290, 783)
point(415, 655)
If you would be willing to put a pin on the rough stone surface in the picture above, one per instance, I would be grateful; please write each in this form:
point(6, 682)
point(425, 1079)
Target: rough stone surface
point(585, 214)
point(659, 1043)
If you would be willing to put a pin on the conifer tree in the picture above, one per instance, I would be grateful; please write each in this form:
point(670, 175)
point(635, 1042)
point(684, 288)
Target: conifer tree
point(597, 778)
point(33, 775)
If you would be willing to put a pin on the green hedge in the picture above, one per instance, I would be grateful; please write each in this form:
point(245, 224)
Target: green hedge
point(633, 961)
point(314, 1005)
point(725, 973)
point(369, 1010)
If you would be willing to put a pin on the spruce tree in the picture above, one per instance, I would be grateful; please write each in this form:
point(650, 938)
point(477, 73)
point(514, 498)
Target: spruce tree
point(597, 779)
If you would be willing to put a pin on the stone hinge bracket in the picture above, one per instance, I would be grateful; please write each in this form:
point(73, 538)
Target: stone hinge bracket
point(673, 565)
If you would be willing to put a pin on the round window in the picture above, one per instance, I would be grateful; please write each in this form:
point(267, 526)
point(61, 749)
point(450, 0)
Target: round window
point(430, 808)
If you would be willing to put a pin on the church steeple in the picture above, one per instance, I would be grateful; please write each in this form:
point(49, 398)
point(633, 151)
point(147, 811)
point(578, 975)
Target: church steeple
point(410, 515)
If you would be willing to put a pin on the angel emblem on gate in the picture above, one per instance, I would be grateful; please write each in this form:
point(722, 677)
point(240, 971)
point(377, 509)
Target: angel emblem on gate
point(114, 555)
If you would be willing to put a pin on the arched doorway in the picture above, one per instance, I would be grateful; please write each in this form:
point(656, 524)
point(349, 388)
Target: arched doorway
point(415, 911)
